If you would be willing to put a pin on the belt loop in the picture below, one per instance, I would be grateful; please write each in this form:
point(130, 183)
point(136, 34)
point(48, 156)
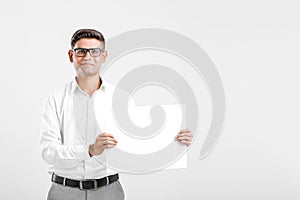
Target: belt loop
point(52, 177)
point(64, 181)
point(107, 180)
point(95, 184)
point(80, 185)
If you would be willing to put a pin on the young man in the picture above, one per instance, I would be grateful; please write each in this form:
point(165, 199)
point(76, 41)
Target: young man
point(70, 136)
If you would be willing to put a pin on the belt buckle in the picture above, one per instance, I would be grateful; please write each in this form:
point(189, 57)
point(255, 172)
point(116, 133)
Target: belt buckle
point(81, 184)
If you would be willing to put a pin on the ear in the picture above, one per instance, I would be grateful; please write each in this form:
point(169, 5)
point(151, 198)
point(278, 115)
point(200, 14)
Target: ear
point(104, 56)
point(70, 53)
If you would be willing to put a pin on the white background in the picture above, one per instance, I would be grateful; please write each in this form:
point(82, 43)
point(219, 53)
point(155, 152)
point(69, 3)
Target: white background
point(255, 47)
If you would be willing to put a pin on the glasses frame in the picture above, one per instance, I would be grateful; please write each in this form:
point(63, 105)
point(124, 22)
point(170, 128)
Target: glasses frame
point(88, 50)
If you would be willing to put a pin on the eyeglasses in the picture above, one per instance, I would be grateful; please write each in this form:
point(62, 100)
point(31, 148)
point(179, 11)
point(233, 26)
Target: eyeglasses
point(81, 52)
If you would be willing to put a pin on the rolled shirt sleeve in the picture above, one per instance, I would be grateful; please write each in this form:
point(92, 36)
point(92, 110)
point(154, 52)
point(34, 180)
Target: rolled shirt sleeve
point(53, 149)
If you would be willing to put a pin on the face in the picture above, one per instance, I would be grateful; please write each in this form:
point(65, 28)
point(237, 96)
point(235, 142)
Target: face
point(87, 65)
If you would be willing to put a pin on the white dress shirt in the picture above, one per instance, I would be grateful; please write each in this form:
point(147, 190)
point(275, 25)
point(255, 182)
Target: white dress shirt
point(68, 128)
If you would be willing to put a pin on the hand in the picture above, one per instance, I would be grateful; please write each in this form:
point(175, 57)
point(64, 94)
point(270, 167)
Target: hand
point(185, 137)
point(103, 141)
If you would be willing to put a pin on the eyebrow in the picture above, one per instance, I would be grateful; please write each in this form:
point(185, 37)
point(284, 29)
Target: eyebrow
point(87, 48)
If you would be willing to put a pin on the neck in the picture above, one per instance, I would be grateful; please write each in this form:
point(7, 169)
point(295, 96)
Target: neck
point(89, 84)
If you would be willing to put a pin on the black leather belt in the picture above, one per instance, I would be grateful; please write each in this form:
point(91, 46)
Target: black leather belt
point(85, 184)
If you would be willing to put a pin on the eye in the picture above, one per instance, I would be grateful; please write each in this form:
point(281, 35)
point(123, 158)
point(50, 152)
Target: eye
point(94, 51)
point(80, 51)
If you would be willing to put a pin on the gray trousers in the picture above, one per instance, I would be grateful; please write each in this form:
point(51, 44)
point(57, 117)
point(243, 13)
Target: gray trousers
point(113, 191)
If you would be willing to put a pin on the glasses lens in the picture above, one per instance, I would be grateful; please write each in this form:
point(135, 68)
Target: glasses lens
point(80, 52)
point(95, 52)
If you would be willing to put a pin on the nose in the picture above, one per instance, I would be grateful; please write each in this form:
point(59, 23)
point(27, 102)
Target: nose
point(87, 55)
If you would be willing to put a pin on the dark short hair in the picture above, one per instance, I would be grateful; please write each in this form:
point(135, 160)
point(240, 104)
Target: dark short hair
point(87, 33)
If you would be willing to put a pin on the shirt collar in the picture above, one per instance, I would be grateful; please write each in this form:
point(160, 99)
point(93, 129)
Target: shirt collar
point(74, 85)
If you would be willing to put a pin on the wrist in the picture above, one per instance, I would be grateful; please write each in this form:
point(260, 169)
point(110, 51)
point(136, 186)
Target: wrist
point(91, 152)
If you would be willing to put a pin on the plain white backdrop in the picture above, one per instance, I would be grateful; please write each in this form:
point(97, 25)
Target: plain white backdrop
point(254, 45)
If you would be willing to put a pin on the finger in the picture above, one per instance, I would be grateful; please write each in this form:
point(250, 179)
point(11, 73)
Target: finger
point(185, 134)
point(185, 142)
point(106, 138)
point(184, 130)
point(110, 145)
point(184, 138)
point(105, 134)
point(108, 142)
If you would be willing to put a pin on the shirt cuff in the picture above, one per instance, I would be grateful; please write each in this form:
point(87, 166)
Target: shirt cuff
point(82, 151)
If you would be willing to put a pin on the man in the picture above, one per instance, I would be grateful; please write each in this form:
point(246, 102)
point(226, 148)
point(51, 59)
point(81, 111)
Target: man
point(71, 139)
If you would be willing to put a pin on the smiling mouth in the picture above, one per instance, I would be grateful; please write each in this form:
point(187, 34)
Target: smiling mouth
point(86, 64)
